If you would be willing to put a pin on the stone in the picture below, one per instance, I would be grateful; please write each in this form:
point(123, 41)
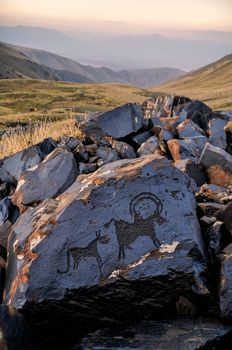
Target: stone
point(211, 193)
point(124, 150)
point(86, 168)
point(111, 240)
point(118, 123)
point(209, 208)
point(174, 334)
point(217, 134)
point(217, 165)
point(228, 131)
point(5, 205)
point(192, 170)
point(225, 294)
point(50, 178)
point(106, 155)
point(6, 190)
point(5, 232)
point(189, 129)
point(168, 106)
point(183, 149)
point(225, 215)
point(198, 112)
point(141, 138)
point(12, 167)
point(149, 147)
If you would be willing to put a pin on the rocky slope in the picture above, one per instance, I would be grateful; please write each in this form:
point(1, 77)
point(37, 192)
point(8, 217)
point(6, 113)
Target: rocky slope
point(125, 233)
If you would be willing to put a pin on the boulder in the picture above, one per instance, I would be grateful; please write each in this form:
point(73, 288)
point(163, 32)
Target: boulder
point(225, 215)
point(86, 168)
point(118, 123)
point(226, 283)
point(106, 155)
point(141, 138)
point(198, 112)
point(5, 206)
point(183, 149)
point(217, 165)
point(212, 193)
point(148, 147)
point(192, 170)
point(111, 240)
point(12, 167)
point(123, 149)
point(167, 106)
point(189, 129)
point(217, 134)
point(174, 334)
point(228, 131)
point(50, 178)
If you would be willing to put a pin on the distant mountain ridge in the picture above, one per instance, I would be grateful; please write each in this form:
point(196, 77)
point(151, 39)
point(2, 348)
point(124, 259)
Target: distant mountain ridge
point(125, 51)
point(50, 66)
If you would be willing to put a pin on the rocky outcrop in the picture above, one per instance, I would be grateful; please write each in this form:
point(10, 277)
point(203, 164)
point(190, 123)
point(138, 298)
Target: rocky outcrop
point(143, 231)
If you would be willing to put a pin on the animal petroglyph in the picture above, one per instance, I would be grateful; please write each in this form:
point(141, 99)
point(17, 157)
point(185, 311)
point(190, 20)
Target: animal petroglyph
point(77, 253)
point(145, 209)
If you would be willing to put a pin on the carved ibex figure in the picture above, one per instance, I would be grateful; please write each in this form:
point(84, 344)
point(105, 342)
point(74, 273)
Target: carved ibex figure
point(81, 252)
point(128, 232)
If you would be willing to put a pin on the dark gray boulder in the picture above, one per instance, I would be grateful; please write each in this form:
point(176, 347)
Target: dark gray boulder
point(118, 123)
point(226, 283)
point(189, 129)
point(217, 134)
point(111, 240)
point(183, 149)
point(217, 165)
point(12, 167)
point(124, 150)
point(192, 170)
point(5, 206)
point(198, 112)
point(50, 178)
point(150, 146)
point(141, 138)
point(174, 334)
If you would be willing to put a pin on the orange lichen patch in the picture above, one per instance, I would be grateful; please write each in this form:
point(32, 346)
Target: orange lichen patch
point(99, 181)
point(174, 147)
point(219, 176)
point(228, 127)
point(22, 278)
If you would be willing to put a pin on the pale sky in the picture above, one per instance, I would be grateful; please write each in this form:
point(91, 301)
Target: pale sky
point(119, 16)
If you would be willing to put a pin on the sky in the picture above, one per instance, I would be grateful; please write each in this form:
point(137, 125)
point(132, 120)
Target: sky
point(119, 16)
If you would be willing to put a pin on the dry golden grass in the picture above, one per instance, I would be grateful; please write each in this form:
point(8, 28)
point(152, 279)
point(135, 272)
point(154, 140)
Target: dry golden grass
point(16, 142)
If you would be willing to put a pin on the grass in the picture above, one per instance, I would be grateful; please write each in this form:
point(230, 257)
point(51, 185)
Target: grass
point(17, 141)
point(211, 84)
point(25, 100)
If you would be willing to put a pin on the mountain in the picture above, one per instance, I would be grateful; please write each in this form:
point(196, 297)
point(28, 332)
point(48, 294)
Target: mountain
point(125, 51)
point(211, 83)
point(62, 68)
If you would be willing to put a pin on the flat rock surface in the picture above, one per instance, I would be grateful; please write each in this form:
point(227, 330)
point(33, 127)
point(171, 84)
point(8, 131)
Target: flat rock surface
point(50, 178)
point(109, 231)
point(117, 123)
point(184, 334)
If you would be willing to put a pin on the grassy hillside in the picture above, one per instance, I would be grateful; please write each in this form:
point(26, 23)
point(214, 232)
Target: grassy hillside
point(22, 100)
point(211, 84)
point(14, 64)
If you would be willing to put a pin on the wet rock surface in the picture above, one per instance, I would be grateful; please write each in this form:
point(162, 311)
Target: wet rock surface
point(142, 233)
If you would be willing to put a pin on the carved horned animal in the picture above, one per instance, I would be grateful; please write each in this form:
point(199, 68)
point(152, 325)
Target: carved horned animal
point(128, 232)
point(82, 252)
